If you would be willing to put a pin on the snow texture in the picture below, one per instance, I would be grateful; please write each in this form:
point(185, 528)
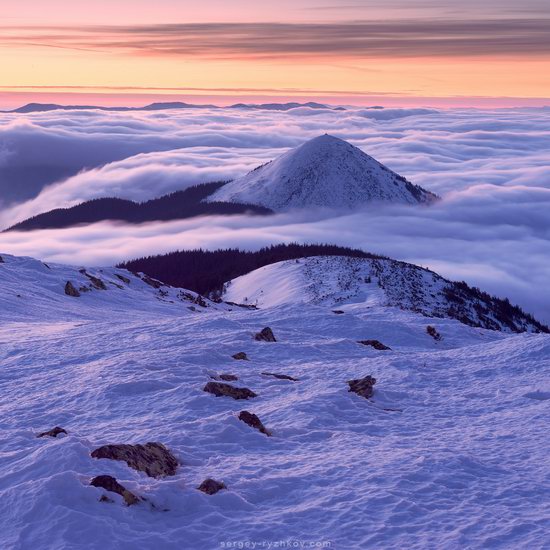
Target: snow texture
point(325, 172)
point(451, 451)
point(335, 280)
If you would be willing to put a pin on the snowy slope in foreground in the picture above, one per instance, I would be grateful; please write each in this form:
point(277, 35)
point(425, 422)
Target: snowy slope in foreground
point(33, 289)
point(367, 283)
point(324, 172)
point(460, 461)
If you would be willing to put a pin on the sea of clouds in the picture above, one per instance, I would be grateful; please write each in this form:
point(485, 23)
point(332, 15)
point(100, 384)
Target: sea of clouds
point(492, 168)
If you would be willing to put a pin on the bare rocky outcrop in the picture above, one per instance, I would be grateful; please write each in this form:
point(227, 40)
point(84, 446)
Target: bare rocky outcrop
point(219, 389)
point(70, 290)
point(265, 335)
point(2, 260)
point(211, 486)
point(109, 483)
point(376, 344)
point(252, 420)
point(54, 432)
point(123, 278)
point(363, 386)
point(152, 458)
point(97, 283)
point(280, 376)
point(151, 282)
point(432, 331)
point(240, 356)
point(338, 312)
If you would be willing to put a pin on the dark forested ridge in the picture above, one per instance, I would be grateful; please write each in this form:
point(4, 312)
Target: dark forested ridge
point(178, 205)
point(206, 271)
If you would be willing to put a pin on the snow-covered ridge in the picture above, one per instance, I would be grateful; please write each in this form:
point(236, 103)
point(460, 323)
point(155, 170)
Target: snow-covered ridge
point(324, 172)
point(337, 280)
point(33, 289)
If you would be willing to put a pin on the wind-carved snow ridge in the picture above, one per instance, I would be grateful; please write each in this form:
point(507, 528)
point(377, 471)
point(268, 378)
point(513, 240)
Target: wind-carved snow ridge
point(337, 280)
point(325, 172)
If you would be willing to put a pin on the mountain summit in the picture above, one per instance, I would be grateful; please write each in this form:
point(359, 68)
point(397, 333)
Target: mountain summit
point(323, 172)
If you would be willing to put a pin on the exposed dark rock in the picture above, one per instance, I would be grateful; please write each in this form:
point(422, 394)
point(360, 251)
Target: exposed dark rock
point(96, 281)
point(105, 498)
point(70, 290)
point(200, 301)
point(265, 335)
point(151, 282)
point(433, 333)
point(54, 432)
point(280, 376)
point(338, 311)
point(252, 420)
point(2, 260)
point(363, 386)
point(241, 356)
point(109, 483)
point(376, 344)
point(211, 486)
point(152, 458)
point(220, 389)
point(123, 278)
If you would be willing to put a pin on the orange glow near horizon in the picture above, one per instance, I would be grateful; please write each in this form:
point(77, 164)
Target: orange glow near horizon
point(301, 50)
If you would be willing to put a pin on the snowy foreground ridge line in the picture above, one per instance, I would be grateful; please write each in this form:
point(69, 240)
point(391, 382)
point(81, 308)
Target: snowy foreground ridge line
point(449, 450)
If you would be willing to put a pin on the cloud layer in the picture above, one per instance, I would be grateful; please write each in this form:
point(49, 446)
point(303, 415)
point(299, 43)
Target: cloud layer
point(493, 168)
point(356, 39)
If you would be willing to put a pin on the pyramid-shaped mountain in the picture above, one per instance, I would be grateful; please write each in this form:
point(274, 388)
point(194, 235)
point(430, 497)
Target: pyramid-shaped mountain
point(323, 172)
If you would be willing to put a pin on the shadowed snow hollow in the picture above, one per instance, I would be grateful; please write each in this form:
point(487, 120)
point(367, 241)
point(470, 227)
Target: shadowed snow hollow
point(325, 172)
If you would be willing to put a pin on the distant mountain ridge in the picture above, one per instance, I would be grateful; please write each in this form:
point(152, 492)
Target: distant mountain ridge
point(324, 172)
point(174, 206)
point(159, 106)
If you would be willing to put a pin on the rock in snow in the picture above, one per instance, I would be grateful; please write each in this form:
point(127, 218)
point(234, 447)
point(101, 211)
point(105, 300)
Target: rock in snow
point(219, 389)
point(211, 486)
point(280, 376)
point(363, 386)
point(109, 483)
point(325, 172)
point(376, 344)
point(54, 432)
point(240, 356)
point(265, 335)
point(252, 420)
point(152, 458)
point(70, 290)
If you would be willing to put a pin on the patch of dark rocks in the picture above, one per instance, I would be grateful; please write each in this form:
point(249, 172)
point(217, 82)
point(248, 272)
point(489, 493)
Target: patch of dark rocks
point(376, 344)
point(109, 483)
point(220, 389)
point(280, 376)
point(253, 421)
point(363, 386)
point(54, 432)
point(152, 458)
point(240, 356)
point(211, 486)
point(70, 290)
point(265, 335)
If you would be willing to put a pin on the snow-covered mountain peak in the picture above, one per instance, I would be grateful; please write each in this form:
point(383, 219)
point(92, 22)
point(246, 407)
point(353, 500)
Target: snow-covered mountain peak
point(327, 172)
